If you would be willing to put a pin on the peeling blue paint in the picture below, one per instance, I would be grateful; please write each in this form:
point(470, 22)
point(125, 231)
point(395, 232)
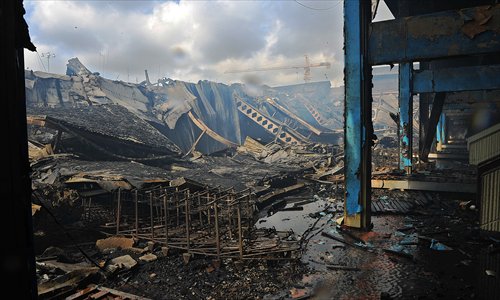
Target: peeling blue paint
point(440, 130)
point(471, 78)
point(420, 37)
point(405, 115)
point(354, 134)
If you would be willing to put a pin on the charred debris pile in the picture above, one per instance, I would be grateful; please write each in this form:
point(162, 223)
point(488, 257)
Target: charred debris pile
point(85, 130)
point(174, 166)
point(182, 164)
point(177, 185)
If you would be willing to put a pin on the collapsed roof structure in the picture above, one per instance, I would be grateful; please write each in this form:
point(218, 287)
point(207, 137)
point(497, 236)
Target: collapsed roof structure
point(174, 117)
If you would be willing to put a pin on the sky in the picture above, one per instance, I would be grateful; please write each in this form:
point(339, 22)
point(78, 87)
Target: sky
point(190, 40)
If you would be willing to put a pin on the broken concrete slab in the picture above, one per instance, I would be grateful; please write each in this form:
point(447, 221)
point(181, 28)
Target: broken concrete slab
point(148, 257)
point(126, 262)
point(114, 242)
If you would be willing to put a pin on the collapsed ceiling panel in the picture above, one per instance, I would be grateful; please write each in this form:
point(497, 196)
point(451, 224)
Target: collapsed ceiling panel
point(179, 116)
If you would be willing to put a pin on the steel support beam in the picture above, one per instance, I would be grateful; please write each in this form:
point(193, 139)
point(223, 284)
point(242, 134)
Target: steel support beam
point(430, 126)
point(405, 127)
point(473, 97)
point(423, 107)
point(441, 131)
point(473, 78)
point(451, 33)
point(409, 184)
point(358, 130)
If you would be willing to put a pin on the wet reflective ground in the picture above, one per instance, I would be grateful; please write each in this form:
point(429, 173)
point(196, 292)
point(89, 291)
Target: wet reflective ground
point(471, 270)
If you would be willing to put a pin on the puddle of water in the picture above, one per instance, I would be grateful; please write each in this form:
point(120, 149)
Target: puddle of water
point(298, 221)
point(319, 249)
point(432, 274)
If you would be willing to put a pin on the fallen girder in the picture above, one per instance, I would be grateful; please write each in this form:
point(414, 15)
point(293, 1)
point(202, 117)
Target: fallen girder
point(205, 129)
point(316, 115)
point(294, 116)
point(273, 127)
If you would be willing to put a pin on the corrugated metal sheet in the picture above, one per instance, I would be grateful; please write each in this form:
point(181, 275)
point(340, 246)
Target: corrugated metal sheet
point(490, 201)
point(488, 285)
point(484, 145)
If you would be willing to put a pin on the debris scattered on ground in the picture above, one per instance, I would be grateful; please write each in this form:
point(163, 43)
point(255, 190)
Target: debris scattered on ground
point(122, 262)
point(435, 245)
point(148, 257)
point(187, 202)
point(114, 242)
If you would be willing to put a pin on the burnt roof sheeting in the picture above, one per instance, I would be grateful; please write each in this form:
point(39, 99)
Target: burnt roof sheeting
point(136, 174)
point(214, 105)
point(241, 171)
point(165, 105)
point(109, 120)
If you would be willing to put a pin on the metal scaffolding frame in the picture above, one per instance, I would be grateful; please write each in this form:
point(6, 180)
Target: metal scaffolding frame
point(210, 222)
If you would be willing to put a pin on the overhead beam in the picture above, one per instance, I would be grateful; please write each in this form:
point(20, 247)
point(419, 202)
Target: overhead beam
point(358, 129)
point(473, 78)
point(472, 97)
point(430, 126)
point(451, 33)
point(423, 108)
point(405, 128)
point(409, 184)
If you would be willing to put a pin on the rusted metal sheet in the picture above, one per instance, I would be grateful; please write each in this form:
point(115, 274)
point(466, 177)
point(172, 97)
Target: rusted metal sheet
point(484, 145)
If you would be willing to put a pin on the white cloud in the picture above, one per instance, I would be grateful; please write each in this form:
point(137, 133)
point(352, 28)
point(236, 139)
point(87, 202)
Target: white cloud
point(189, 40)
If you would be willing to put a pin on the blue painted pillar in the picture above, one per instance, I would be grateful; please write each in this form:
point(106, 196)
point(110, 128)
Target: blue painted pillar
point(440, 132)
point(358, 128)
point(405, 117)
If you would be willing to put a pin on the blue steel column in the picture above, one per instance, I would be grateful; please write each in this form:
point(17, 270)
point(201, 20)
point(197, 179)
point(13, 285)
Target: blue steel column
point(440, 132)
point(405, 117)
point(358, 130)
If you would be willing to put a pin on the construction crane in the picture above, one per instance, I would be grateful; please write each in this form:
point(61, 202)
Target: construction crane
point(307, 68)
